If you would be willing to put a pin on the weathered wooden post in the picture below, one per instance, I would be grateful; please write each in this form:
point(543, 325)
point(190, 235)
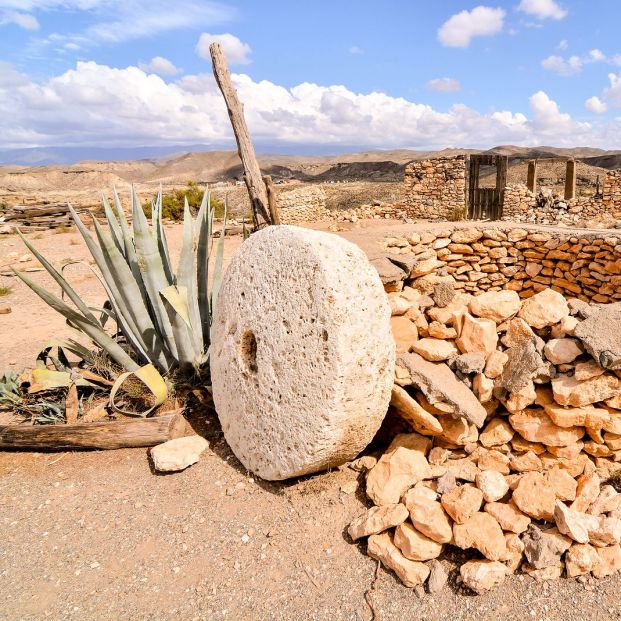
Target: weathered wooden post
point(252, 172)
point(271, 200)
point(531, 177)
point(570, 180)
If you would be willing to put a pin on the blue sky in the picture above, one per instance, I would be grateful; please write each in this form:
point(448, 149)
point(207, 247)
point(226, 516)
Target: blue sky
point(324, 75)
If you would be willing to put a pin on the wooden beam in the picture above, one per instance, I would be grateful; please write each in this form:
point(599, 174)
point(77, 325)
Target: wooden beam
point(570, 180)
point(271, 200)
point(531, 176)
point(125, 433)
point(252, 172)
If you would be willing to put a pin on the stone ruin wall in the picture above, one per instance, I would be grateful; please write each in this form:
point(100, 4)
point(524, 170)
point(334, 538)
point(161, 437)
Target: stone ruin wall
point(520, 205)
point(480, 258)
point(435, 189)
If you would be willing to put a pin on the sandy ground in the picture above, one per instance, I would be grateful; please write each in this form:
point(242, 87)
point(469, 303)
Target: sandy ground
point(97, 535)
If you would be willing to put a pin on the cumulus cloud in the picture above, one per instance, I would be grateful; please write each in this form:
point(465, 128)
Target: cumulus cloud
point(112, 107)
point(461, 28)
point(444, 85)
point(237, 52)
point(613, 92)
point(595, 104)
point(573, 64)
point(159, 64)
point(542, 9)
point(355, 50)
point(23, 20)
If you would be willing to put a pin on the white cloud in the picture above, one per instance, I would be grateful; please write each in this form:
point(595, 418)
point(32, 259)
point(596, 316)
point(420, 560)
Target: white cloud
point(159, 64)
point(110, 107)
point(543, 9)
point(237, 52)
point(355, 50)
point(462, 27)
point(444, 85)
point(23, 20)
point(562, 45)
point(613, 92)
point(559, 65)
point(595, 104)
point(573, 64)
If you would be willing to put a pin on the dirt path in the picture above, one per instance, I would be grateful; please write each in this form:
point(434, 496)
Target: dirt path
point(98, 536)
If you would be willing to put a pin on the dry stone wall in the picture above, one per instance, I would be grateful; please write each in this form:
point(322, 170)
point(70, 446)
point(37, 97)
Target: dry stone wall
point(476, 259)
point(435, 189)
point(520, 205)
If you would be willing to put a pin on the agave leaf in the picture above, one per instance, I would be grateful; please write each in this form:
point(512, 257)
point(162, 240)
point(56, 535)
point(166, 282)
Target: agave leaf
point(187, 276)
point(217, 274)
point(153, 275)
point(46, 379)
point(115, 229)
point(176, 299)
point(92, 330)
point(203, 235)
point(160, 237)
point(130, 303)
point(152, 379)
point(60, 279)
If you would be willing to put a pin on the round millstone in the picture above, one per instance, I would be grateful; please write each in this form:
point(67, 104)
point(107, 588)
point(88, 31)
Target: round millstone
point(302, 354)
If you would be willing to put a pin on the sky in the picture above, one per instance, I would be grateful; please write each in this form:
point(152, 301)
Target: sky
point(313, 76)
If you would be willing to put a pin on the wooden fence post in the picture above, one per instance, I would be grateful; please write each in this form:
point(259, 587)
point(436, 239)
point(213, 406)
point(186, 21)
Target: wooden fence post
point(531, 177)
point(271, 200)
point(570, 180)
point(252, 172)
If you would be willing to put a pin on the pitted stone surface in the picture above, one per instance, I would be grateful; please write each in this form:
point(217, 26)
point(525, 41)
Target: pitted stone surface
point(302, 354)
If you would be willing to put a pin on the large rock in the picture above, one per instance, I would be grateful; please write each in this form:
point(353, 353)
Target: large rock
point(477, 335)
point(435, 350)
point(427, 515)
point(302, 355)
point(462, 502)
point(600, 333)
point(508, 516)
point(400, 467)
point(481, 576)
point(544, 309)
point(414, 545)
point(535, 497)
point(496, 305)
point(178, 454)
point(581, 558)
point(543, 548)
point(382, 548)
point(537, 426)
point(609, 561)
point(414, 413)
point(439, 384)
point(570, 391)
point(562, 351)
point(482, 532)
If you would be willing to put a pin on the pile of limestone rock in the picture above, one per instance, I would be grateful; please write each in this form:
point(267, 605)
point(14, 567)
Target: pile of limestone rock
point(513, 431)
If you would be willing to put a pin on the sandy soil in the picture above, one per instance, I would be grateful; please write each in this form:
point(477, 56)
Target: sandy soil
point(97, 535)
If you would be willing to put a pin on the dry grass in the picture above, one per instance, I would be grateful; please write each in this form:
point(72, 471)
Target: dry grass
point(62, 229)
point(4, 291)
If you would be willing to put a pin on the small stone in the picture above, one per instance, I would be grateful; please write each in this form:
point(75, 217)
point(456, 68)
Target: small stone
point(414, 545)
point(562, 351)
point(536, 426)
point(437, 456)
point(543, 548)
point(403, 465)
point(482, 532)
point(414, 413)
point(477, 335)
point(364, 463)
point(588, 415)
point(526, 462)
point(515, 552)
point(382, 548)
point(544, 309)
point(496, 305)
point(404, 332)
point(520, 445)
point(573, 523)
point(462, 502)
point(545, 574)
point(609, 561)
point(587, 370)
point(563, 484)
point(494, 460)
point(440, 331)
point(587, 491)
point(571, 392)
point(508, 516)
point(535, 497)
point(437, 576)
point(492, 484)
point(497, 432)
point(470, 363)
point(495, 364)
point(581, 559)
point(447, 482)
point(377, 520)
point(482, 576)
point(428, 516)
point(608, 500)
point(435, 350)
point(178, 454)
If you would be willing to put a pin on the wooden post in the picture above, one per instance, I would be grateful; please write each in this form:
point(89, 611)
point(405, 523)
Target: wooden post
point(252, 172)
point(502, 164)
point(531, 177)
point(271, 200)
point(570, 180)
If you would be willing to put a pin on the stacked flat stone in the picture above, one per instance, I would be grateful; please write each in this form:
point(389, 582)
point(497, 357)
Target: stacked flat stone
point(510, 431)
point(476, 259)
point(435, 189)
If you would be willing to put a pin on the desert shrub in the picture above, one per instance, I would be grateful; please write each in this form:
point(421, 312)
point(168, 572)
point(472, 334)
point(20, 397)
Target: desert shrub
point(172, 203)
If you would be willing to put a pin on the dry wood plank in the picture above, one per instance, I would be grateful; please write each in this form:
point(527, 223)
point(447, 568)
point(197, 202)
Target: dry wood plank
point(126, 433)
point(271, 200)
point(252, 172)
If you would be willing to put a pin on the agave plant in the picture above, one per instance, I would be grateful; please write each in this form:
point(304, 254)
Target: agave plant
point(165, 318)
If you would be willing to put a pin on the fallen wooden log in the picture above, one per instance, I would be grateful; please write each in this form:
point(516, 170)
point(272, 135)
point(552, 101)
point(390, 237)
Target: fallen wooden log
point(126, 433)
